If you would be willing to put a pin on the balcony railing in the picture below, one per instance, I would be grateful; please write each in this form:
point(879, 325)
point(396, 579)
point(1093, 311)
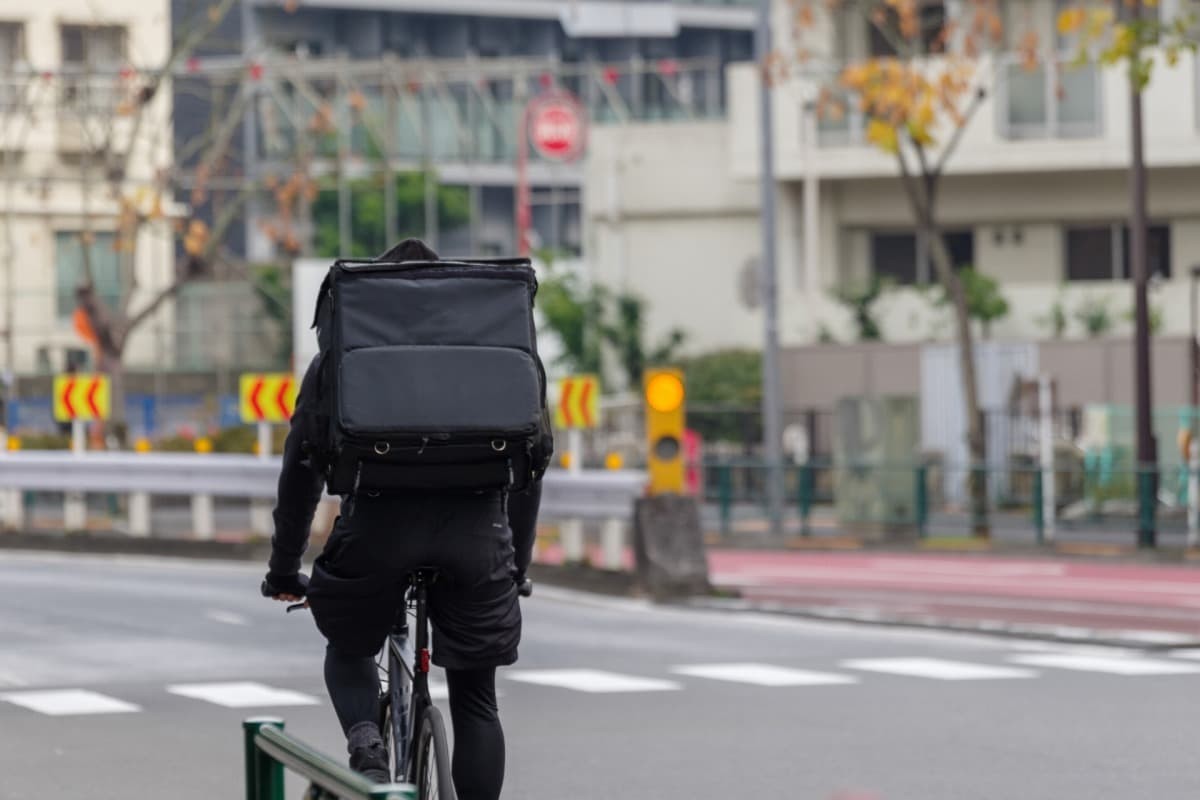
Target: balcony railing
point(1052, 101)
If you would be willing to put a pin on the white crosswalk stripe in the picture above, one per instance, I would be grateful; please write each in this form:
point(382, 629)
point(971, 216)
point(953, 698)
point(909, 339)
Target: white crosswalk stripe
point(242, 695)
point(68, 702)
point(591, 680)
point(1193, 655)
point(937, 669)
point(762, 675)
point(1113, 665)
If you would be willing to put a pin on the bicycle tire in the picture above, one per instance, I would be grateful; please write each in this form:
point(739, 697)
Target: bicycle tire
point(431, 767)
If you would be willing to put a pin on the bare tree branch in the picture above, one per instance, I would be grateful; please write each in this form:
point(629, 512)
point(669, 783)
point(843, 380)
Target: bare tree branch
point(956, 137)
point(229, 214)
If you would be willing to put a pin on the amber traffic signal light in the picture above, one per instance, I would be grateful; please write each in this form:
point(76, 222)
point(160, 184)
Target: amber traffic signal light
point(664, 394)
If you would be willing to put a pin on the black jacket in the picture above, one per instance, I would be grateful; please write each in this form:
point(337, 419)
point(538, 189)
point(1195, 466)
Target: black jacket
point(300, 488)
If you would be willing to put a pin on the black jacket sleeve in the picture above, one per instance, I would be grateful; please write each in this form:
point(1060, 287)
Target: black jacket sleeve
point(522, 519)
point(300, 484)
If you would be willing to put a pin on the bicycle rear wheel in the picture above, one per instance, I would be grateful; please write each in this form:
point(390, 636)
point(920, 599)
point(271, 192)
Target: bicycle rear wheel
point(432, 765)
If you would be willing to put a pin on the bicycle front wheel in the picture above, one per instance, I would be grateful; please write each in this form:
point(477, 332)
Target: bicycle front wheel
point(432, 764)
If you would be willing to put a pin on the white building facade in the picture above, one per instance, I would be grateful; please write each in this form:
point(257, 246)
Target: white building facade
point(62, 64)
point(1035, 196)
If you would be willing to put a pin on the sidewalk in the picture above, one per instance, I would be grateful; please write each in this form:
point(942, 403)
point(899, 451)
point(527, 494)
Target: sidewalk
point(1126, 603)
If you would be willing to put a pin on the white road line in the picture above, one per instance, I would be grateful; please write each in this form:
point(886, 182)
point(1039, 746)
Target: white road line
point(591, 680)
point(937, 669)
point(227, 617)
point(1113, 665)
point(1193, 655)
point(242, 695)
point(762, 675)
point(68, 702)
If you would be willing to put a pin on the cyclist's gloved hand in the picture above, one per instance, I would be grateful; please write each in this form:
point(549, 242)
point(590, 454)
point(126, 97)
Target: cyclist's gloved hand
point(524, 585)
point(285, 587)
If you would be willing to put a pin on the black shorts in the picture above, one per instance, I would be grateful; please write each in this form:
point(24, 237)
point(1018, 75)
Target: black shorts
point(358, 581)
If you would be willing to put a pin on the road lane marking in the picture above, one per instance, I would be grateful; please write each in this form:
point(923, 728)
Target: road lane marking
point(591, 680)
point(1193, 655)
point(937, 669)
point(1112, 665)
point(242, 695)
point(226, 617)
point(10, 681)
point(68, 702)
point(762, 675)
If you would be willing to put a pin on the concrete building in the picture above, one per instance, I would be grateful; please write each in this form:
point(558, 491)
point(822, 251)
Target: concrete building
point(63, 66)
point(468, 65)
point(1035, 196)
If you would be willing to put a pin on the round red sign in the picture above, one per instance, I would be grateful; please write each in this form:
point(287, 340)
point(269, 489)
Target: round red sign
point(556, 127)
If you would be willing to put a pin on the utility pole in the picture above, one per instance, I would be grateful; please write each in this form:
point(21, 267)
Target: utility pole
point(771, 409)
point(1147, 449)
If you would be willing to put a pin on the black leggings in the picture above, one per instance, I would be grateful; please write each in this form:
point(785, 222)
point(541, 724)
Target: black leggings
point(478, 763)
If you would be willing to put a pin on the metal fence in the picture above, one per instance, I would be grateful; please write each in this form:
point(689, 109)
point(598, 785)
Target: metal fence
point(1094, 500)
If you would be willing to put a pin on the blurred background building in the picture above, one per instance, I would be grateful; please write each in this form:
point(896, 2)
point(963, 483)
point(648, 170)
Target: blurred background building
point(1035, 197)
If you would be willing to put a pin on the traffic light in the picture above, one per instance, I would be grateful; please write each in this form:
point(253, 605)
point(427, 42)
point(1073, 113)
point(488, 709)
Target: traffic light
point(663, 391)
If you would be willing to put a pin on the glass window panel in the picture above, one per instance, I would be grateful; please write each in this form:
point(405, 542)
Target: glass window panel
point(894, 256)
point(1078, 104)
point(69, 269)
point(1026, 96)
point(1089, 253)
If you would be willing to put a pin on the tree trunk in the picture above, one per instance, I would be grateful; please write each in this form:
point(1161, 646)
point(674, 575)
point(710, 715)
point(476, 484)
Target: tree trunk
point(111, 364)
point(976, 440)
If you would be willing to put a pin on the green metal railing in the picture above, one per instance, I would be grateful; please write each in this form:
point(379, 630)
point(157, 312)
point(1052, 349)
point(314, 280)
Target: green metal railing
point(269, 750)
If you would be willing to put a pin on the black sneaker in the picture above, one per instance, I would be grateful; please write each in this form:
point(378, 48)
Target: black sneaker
point(368, 755)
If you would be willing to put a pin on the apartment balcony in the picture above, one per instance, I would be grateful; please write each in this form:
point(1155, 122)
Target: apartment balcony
point(1055, 117)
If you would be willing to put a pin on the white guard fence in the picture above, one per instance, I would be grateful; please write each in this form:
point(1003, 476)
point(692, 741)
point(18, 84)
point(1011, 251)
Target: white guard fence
point(596, 496)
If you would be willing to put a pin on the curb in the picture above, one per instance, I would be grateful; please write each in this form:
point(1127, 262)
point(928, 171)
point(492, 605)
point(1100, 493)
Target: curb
point(1060, 634)
point(116, 544)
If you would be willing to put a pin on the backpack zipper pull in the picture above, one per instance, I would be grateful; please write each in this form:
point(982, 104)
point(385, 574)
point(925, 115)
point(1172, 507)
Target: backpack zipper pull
point(424, 442)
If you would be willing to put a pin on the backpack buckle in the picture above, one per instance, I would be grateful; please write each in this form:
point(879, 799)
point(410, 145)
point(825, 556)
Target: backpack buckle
point(499, 445)
point(382, 448)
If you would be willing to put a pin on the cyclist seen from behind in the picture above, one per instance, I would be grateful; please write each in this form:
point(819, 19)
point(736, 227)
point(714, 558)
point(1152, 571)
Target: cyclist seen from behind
point(399, 512)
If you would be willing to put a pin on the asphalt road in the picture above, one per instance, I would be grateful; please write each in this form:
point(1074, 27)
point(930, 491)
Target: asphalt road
point(611, 698)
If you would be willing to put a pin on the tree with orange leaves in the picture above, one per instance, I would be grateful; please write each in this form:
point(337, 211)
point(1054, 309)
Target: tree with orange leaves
point(1133, 39)
point(917, 103)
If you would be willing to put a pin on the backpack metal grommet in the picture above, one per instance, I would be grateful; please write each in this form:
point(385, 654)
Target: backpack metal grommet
point(382, 448)
point(499, 445)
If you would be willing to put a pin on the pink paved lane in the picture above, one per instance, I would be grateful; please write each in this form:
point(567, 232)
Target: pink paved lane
point(1055, 592)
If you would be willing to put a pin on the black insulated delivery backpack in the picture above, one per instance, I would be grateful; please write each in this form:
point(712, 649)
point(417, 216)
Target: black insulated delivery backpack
point(430, 377)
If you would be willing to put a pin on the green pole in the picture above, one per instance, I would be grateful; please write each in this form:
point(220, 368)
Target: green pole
point(805, 499)
point(1146, 506)
point(1039, 518)
point(264, 776)
point(725, 496)
point(921, 504)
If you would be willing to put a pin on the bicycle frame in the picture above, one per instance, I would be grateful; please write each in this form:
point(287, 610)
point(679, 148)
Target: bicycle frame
point(408, 674)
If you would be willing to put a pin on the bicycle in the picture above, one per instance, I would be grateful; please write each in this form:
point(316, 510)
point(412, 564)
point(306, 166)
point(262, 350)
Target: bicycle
point(413, 729)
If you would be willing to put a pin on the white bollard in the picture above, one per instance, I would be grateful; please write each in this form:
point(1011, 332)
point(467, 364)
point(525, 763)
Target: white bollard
point(1193, 489)
point(139, 514)
point(1046, 409)
point(612, 544)
point(14, 510)
point(260, 510)
point(203, 526)
point(75, 503)
point(571, 530)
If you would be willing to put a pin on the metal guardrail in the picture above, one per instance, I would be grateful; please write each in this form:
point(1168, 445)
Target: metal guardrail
point(594, 494)
point(269, 750)
point(604, 496)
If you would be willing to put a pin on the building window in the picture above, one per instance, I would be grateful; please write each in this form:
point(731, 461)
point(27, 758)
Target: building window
point(70, 272)
point(1101, 252)
point(91, 55)
point(902, 258)
point(12, 53)
point(882, 38)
